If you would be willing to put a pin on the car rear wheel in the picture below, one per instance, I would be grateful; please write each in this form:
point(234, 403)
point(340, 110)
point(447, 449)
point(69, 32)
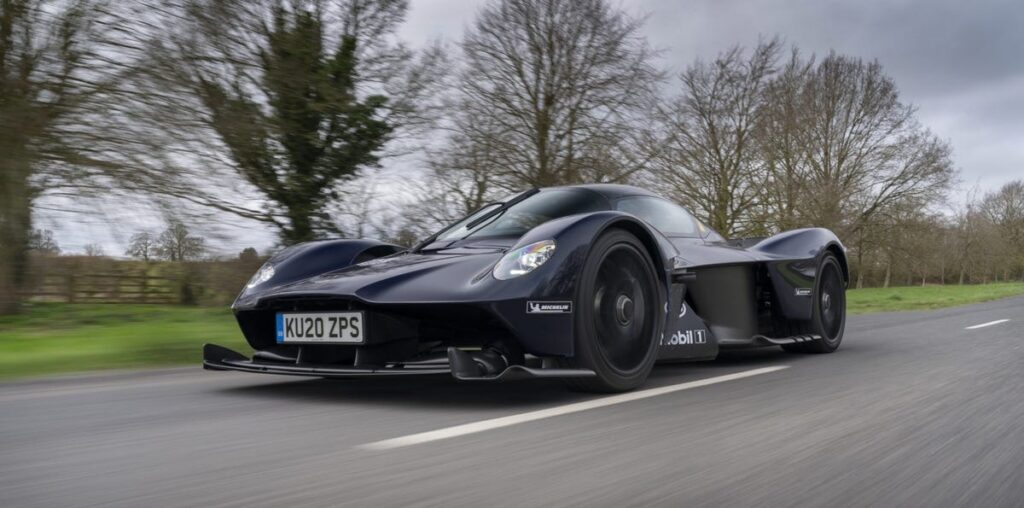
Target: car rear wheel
point(828, 319)
point(618, 315)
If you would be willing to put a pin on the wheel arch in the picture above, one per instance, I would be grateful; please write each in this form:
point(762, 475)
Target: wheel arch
point(575, 236)
point(840, 255)
point(578, 232)
point(648, 240)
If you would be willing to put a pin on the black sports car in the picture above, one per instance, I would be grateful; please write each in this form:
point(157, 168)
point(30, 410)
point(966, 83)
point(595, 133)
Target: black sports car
point(590, 283)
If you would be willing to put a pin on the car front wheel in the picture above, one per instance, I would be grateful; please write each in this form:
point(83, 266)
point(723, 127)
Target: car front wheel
point(617, 321)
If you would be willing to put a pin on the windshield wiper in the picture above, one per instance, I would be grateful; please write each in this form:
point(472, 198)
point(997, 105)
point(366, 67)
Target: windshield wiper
point(476, 222)
point(430, 239)
point(501, 209)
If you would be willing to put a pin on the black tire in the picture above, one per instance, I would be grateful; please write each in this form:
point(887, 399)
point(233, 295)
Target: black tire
point(828, 315)
point(618, 315)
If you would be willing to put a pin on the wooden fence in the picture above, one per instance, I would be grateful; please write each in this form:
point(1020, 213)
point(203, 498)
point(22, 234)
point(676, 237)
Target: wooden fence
point(82, 279)
point(106, 288)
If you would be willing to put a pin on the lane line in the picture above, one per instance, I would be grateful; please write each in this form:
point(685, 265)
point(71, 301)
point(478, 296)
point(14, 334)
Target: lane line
point(983, 325)
point(506, 421)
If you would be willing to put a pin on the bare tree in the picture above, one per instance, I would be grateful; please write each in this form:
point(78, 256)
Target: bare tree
point(564, 87)
point(780, 132)
point(94, 250)
point(41, 241)
point(462, 175)
point(176, 243)
point(864, 149)
point(966, 235)
point(711, 159)
point(1004, 209)
point(142, 245)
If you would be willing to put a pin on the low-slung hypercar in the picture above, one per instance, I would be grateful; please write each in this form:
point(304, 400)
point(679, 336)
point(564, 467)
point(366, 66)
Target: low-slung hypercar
point(590, 283)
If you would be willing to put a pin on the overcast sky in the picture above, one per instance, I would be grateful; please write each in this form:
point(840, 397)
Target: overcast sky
point(959, 62)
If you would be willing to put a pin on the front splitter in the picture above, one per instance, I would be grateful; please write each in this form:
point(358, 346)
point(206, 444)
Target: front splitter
point(459, 366)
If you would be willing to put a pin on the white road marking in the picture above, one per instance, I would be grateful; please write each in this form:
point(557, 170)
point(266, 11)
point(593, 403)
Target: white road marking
point(990, 323)
point(506, 421)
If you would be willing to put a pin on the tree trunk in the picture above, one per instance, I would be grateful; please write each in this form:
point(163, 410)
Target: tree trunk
point(860, 265)
point(15, 229)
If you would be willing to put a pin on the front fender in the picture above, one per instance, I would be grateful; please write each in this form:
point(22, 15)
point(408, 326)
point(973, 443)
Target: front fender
point(558, 279)
point(575, 234)
point(799, 243)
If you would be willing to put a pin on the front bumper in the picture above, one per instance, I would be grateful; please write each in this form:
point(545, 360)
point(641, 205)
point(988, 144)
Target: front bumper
point(459, 365)
point(461, 324)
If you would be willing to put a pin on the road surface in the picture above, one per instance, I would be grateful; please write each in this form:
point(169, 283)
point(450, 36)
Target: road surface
point(915, 409)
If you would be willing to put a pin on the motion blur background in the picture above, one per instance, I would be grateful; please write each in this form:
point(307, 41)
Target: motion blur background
point(154, 153)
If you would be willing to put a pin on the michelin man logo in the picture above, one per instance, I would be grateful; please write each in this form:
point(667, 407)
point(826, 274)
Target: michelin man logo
point(548, 307)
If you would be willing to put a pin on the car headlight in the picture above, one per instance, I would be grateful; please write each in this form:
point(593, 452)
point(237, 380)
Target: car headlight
point(265, 273)
point(524, 260)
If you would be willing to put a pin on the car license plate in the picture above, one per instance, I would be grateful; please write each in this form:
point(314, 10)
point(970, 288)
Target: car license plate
point(321, 327)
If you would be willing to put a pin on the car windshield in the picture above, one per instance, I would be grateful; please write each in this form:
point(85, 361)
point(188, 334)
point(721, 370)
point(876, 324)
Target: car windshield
point(526, 214)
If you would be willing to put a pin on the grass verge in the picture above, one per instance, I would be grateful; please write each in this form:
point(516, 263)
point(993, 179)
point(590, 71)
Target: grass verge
point(864, 301)
point(54, 338)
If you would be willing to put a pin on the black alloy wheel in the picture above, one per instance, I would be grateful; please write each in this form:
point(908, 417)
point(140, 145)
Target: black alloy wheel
point(618, 318)
point(828, 319)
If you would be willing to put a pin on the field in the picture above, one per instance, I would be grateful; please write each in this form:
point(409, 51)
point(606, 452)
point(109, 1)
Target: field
point(52, 338)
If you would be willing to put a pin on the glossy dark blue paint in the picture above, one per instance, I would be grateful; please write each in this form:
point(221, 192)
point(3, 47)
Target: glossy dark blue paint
point(301, 262)
point(382, 276)
point(792, 259)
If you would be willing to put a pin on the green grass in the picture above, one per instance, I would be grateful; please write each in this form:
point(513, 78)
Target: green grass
point(53, 337)
point(864, 301)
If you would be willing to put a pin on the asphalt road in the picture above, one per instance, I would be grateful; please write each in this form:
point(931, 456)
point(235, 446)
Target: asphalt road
point(913, 410)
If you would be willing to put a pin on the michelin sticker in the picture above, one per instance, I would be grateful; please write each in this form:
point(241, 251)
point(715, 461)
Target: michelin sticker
point(548, 307)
